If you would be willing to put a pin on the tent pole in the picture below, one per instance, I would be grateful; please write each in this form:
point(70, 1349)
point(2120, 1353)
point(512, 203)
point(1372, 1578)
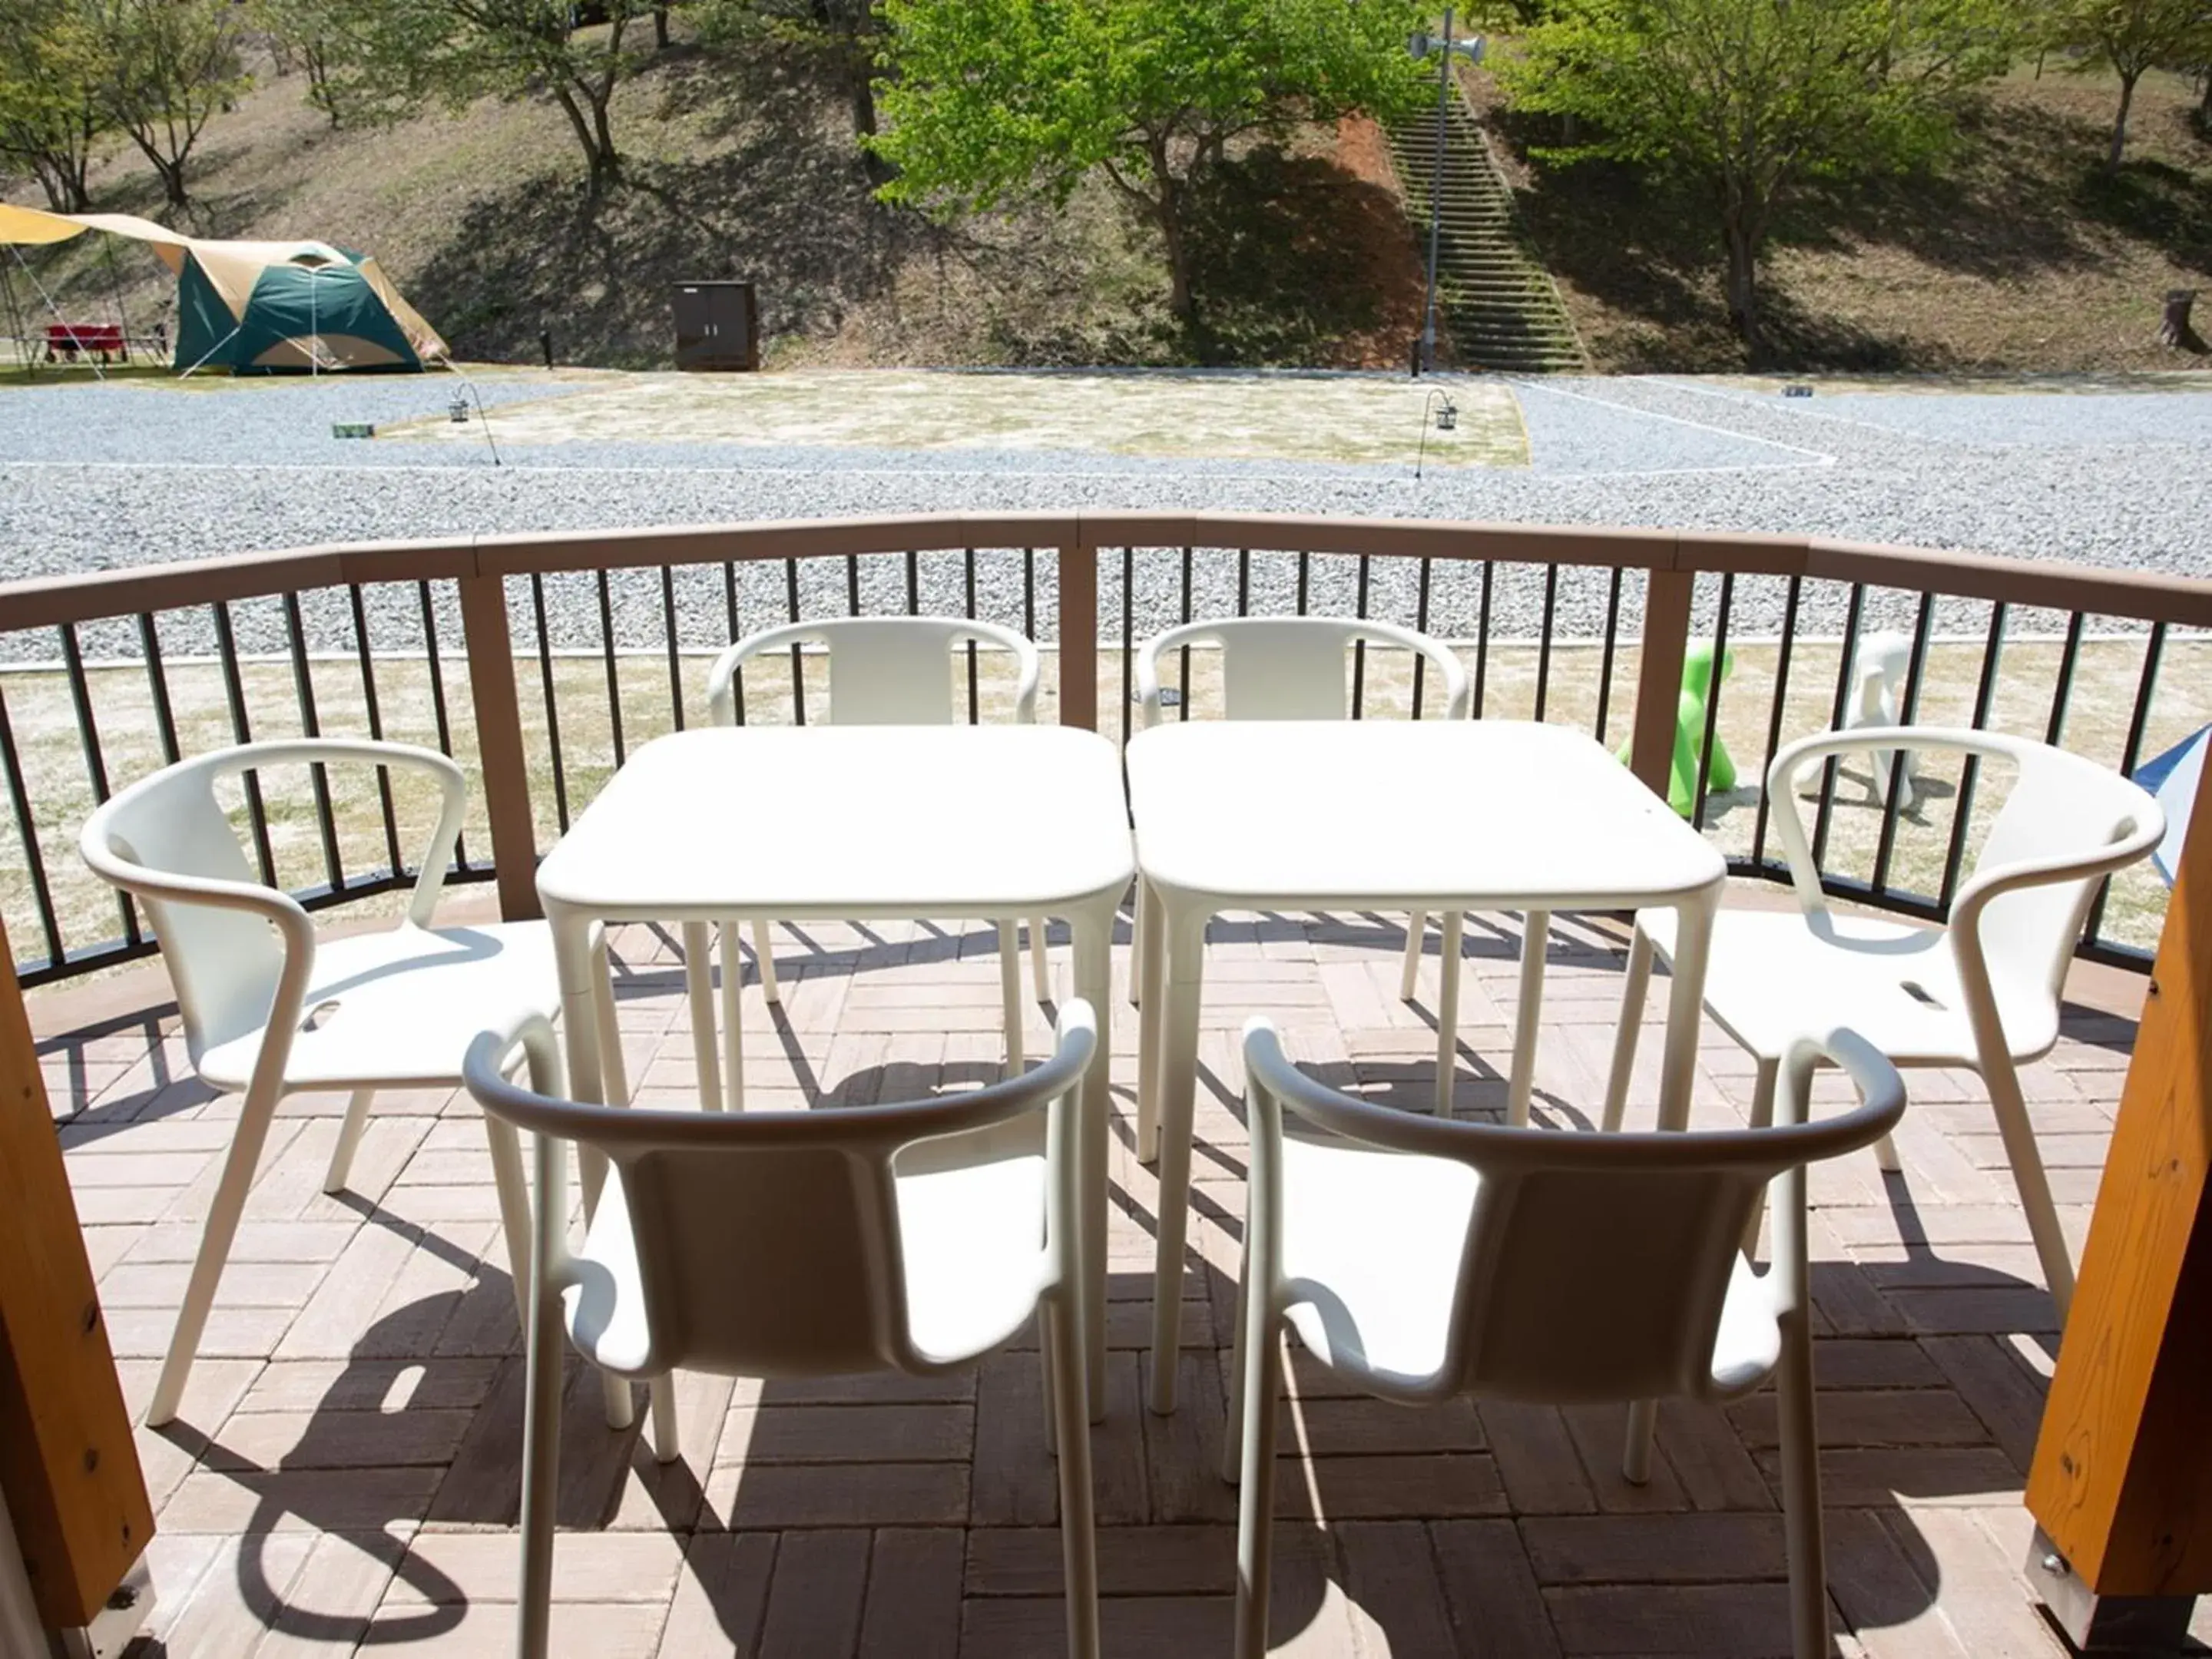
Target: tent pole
point(211, 351)
point(47, 297)
point(30, 358)
point(115, 287)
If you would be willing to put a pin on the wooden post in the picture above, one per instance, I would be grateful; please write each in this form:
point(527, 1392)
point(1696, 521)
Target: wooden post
point(1078, 636)
point(2121, 1487)
point(499, 743)
point(1659, 676)
point(68, 1471)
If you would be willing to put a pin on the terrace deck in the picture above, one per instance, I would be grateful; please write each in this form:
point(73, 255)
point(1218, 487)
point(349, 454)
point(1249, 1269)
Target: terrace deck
point(344, 1473)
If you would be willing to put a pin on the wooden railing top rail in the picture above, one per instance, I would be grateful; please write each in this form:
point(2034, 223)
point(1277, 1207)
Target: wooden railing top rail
point(50, 601)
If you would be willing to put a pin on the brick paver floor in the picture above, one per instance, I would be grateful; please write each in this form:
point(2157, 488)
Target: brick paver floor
point(345, 1472)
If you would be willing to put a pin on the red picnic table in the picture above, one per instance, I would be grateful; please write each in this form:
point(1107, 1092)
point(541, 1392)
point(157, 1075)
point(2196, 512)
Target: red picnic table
point(67, 339)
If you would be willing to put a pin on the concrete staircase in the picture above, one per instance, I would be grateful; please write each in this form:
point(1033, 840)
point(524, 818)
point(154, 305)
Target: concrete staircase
point(1493, 296)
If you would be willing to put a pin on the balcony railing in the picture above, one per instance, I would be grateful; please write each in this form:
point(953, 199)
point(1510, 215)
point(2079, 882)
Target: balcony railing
point(540, 661)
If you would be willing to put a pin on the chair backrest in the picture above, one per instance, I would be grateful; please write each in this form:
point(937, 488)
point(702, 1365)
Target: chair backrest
point(1292, 668)
point(224, 961)
point(2062, 807)
point(884, 671)
point(1595, 1265)
point(770, 1244)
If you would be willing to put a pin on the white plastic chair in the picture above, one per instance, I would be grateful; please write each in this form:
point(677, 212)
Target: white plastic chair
point(1292, 668)
point(884, 671)
point(269, 1008)
point(913, 1238)
point(1984, 993)
point(1420, 1258)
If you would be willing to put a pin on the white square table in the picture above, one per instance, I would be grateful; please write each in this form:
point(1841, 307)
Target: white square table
point(1389, 815)
point(735, 823)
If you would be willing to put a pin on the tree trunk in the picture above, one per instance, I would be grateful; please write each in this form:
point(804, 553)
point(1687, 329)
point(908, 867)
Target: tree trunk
point(1167, 212)
point(592, 136)
point(660, 27)
point(1742, 238)
point(2120, 122)
point(862, 92)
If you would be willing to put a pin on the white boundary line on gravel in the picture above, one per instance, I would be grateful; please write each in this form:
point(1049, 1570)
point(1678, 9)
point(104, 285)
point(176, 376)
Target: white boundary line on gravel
point(1816, 457)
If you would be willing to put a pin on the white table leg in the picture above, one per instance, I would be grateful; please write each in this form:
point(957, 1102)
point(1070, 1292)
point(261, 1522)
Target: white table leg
point(1535, 936)
point(1094, 983)
point(1148, 964)
point(1185, 940)
point(1451, 923)
point(1685, 1004)
point(585, 997)
point(1010, 991)
point(733, 1031)
point(699, 987)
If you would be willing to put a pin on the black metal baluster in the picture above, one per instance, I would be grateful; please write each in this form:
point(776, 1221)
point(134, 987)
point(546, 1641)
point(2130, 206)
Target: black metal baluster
point(369, 702)
point(738, 673)
point(157, 683)
point(1775, 715)
point(552, 706)
point(1482, 641)
point(2061, 689)
point(1243, 581)
point(303, 692)
point(234, 690)
point(1128, 647)
point(968, 575)
point(438, 699)
point(1854, 612)
point(1544, 642)
point(1028, 593)
point(33, 861)
point(852, 584)
point(1713, 700)
point(1183, 693)
point(1421, 626)
point(1305, 571)
point(1962, 808)
point(1605, 662)
point(1359, 647)
point(798, 659)
point(2146, 689)
point(668, 624)
point(913, 585)
point(614, 676)
point(1914, 677)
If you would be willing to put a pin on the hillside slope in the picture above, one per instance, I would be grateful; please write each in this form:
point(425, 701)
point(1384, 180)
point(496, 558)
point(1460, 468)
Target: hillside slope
point(745, 167)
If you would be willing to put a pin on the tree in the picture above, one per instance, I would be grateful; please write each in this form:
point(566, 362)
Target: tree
point(993, 99)
point(2131, 38)
point(170, 65)
point(318, 34)
point(50, 108)
point(391, 56)
point(845, 38)
point(1747, 100)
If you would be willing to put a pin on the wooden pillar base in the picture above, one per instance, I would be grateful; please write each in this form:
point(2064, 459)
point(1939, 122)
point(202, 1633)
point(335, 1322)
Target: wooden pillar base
point(2098, 1625)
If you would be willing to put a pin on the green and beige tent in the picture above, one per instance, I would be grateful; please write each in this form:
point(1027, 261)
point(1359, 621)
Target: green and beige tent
point(264, 308)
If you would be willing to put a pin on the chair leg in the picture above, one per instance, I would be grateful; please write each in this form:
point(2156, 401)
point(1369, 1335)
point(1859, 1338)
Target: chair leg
point(1635, 1453)
point(356, 1120)
point(699, 991)
point(1262, 1343)
point(238, 1169)
point(1149, 967)
point(1010, 987)
point(1635, 986)
point(541, 1470)
point(733, 1029)
point(764, 959)
point(1762, 1115)
point(667, 1436)
point(2019, 1135)
point(513, 1208)
point(1232, 1427)
point(1137, 927)
point(1528, 1015)
point(1064, 1360)
point(1040, 970)
point(1448, 1013)
point(1801, 1493)
point(1885, 1152)
point(1417, 933)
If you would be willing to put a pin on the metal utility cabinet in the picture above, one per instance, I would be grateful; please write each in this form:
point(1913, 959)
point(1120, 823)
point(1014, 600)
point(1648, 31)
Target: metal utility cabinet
point(717, 326)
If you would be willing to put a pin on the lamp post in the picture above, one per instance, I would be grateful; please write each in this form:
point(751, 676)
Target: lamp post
point(1422, 46)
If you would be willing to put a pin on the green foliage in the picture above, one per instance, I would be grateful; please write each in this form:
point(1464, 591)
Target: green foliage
point(51, 109)
point(169, 65)
point(385, 58)
point(2129, 38)
point(1747, 98)
point(995, 100)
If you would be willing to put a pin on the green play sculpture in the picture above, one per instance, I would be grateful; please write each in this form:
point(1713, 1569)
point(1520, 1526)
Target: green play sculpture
point(1690, 733)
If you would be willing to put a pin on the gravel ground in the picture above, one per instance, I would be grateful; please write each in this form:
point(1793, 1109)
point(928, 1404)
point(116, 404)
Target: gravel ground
point(101, 477)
